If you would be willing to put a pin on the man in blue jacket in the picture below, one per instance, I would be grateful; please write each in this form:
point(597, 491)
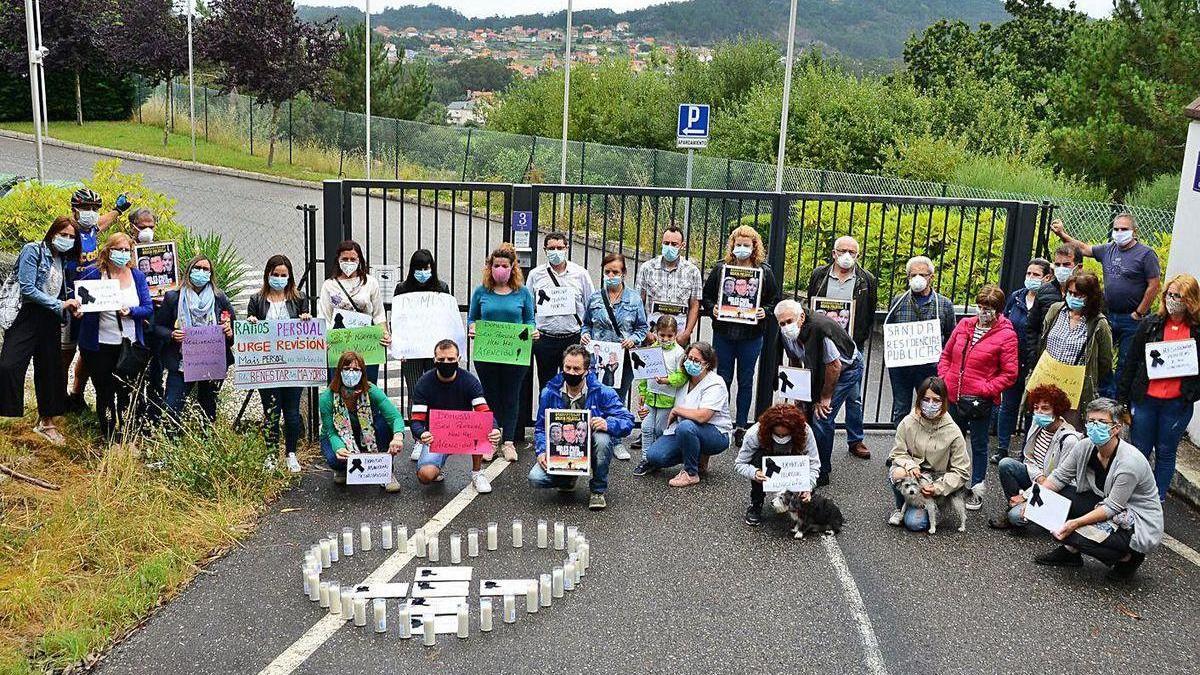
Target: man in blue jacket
point(577, 389)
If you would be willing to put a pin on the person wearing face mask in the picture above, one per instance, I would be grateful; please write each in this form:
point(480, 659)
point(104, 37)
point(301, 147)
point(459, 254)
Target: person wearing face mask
point(504, 297)
point(197, 302)
point(1077, 334)
point(699, 425)
point(919, 303)
point(279, 299)
point(656, 402)
point(101, 333)
point(1050, 442)
point(1162, 407)
point(141, 225)
point(844, 279)
point(357, 417)
point(350, 287)
point(781, 430)
point(577, 389)
point(738, 345)
point(1132, 280)
point(929, 446)
point(1020, 302)
point(558, 331)
point(979, 362)
point(672, 279)
point(422, 278)
point(447, 387)
point(1116, 516)
point(1066, 260)
point(44, 274)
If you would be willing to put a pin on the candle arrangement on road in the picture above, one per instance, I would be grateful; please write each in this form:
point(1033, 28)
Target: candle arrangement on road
point(438, 599)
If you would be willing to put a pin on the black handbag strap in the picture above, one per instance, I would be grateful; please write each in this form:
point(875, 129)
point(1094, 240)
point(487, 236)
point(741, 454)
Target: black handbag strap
point(612, 316)
point(348, 296)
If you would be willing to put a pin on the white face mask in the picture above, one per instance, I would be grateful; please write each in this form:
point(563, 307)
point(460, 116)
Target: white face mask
point(790, 331)
point(1122, 237)
point(348, 267)
point(146, 235)
point(931, 410)
point(918, 284)
point(781, 440)
point(845, 261)
point(89, 219)
point(1062, 273)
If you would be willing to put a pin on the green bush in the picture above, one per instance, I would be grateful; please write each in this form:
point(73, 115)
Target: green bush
point(1160, 192)
point(1017, 176)
point(105, 97)
point(213, 460)
point(229, 271)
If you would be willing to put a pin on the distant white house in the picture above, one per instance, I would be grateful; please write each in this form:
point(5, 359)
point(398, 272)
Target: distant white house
point(461, 113)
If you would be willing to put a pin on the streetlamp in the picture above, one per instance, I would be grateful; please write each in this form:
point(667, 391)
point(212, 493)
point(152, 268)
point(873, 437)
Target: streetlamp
point(566, 95)
point(37, 54)
point(787, 99)
point(367, 7)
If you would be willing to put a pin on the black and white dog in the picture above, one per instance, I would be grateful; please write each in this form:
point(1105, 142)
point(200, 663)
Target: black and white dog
point(819, 514)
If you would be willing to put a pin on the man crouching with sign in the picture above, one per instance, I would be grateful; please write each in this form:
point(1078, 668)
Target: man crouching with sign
point(575, 389)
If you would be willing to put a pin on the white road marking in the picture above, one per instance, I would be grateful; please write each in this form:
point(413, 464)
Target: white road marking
point(872, 655)
point(322, 630)
point(1190, 554)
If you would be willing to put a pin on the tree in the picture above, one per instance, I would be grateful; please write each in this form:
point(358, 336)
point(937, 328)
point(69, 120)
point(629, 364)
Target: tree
point(453, 81)
point(265, 49)
point(400, 90)
point(735, 69)
point(153, 44)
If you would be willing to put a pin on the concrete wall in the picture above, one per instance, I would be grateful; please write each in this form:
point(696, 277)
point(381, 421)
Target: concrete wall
point(1185, 253)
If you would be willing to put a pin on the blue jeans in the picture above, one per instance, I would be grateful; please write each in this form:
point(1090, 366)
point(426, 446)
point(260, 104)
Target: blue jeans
point(915, 520)
point(1158, 426)
point(685, 446)
point(1123, 328)
point(502, 384)
point(598, 483)
point(430, 458)
point(745, 353)
point(383, 438)
point(1014, 478)
point(849, 386)
point(978, 430)
point(1008, 414)
point(904, 382)
point(177, 391)
point(283, 401)
point(854, 412)
point(653, 426)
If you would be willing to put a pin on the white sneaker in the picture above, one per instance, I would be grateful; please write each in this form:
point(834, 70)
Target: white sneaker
point(620, 452)
point(480, 481)
point(293, 463)
point(896, 518)
point(418, 448)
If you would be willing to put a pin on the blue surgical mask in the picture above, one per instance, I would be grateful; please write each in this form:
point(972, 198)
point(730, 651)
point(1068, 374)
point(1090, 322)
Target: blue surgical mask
point(1032, 283)
point(1043, 420)
point(1099, 433)
point(63, 244)
point(88, 219)
point(119, 258)
point(422, 276)
point(670, 252)
point(742, 252)
point(1075, 302)
point(693, 368)
point(278, 283)
point(351, 378)
point(199, 277)
point(612, 282)
point(556, 256)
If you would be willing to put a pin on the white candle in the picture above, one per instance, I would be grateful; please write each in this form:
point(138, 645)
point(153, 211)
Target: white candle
point(385, 535)
point(434, 553)
point(541, 533)
point(572, 538)
point(574, 560)
point(347, 541)
point(473, 543)
point(347, 605)
point(493, 536)
point(420, 546)
point(544, 590)
point(304, 576)
point(427, 621)
point(402, 537)
point(364, 536)
point(360, 610)
point(335, 598)
point(405, 621)
point(314, 585)
point(324, 593)
point(558, 582)
point(531, 598)
point(464, 622)
point(485, 614)
point(333, 546)
point(326, 556)
point(315, 552)
point(510, 609)
point(569, 576)
point(560, 537)
point(518, 533)
point(455, 549)
point(585, 556)
point(379, 611)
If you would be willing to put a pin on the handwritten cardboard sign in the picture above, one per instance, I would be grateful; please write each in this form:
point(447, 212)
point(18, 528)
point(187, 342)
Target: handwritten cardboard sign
point(421, 320)
point(279, 353)
point(500, 342)
point(556, 300)
point(914, 343)
point(794, 384)
point(1176, 358)
point(787, 472)
point(344, 318)
point(364, 340)
point(648, 363)
point(369, 468)
point(99, 295)
point(568, 442)
point(158, 262)
point(461, 432)
point(1068, 378)
point(203, 351)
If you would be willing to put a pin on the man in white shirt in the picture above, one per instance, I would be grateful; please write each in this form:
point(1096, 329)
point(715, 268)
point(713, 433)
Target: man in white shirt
point(558, 330)
point(672, 279)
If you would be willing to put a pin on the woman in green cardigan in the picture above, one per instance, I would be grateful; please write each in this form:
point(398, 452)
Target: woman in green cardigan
point(351, 405)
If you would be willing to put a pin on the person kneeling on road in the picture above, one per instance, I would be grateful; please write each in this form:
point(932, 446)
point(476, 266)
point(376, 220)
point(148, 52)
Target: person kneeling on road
point(930, 447)
point(447, 387)
point(577, 389)
point(781, 430)
point(351, 406)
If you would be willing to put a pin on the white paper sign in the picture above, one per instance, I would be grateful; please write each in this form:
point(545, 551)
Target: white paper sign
point(517, 587)
point(442, 623)
point(648, 363)
point(1046, 508)
point(435, 605)
point(915, 343)
point(794, 384)
point(421, 320)
point(369, 468)
point(1176, 358)
point(387, 276)
point(444, 573)
point(441, 589)
point(344, 318)
point(555, 300)
point(786, 472)
point(608, 362)
point(99, 295)
point(664, 389)
point(379, 590)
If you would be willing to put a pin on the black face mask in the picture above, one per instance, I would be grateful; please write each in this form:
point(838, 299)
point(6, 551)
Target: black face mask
point(573, 379)
point(446, 369)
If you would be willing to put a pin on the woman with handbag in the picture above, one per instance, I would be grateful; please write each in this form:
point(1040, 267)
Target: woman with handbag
point(615, 313)
point(352, 288)
point(1076, 335)
point(112, 344)
point(978, 363)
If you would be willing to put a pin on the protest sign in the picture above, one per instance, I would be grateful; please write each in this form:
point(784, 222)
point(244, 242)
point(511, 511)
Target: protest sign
point(1050, 370)
point(1176, 358)
point(675, 309)
point(648, 363)
point(500, 342)
point(203, 351)
point(99, 295)
point(369, 468)
point(608, 362)
point(384, 590)
point(1046, 507)
point(841, 311)
point(449, 573)
point(441, 589)
point(794, 384)
point(786, 472)
point(516, 587)
point(387, 276)
point(556, 300)
point(461, 432)
point(158, 262)
point(279, 353)
point(421, 320)
point(364, 340)
point(738, 297)
point(915, 343)
point(569, 442)
point(345, 318)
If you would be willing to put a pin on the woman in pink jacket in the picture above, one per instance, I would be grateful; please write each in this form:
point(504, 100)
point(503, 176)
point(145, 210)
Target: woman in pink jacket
point(978, 363)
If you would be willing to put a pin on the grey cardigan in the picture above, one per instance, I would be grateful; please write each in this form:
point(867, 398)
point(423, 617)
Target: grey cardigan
point(1130, 487)
point(1062, 447)
point(744, 464)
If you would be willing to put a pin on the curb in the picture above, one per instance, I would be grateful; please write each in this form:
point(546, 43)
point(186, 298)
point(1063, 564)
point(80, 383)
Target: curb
point(1186, 485)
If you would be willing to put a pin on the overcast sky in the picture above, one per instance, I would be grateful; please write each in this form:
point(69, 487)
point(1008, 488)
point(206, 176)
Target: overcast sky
point(489, 7)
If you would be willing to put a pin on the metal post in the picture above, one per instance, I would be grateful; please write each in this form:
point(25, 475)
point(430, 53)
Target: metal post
point(191, 81)
point(37, 25)
point(342, 145)
point(524, 199)
point(1019, 232)
point(566, 94)
point(768, 361)
point(251, 125)
point(206, 114)
point(529, 165)
point(653, 168)
point(396, 138)
point(787, 99)
point(582, 160)
point(467, 154)
point(291, 131)
point(337, 226)
point(687, 184)
point(367, 6)
point(36, 54)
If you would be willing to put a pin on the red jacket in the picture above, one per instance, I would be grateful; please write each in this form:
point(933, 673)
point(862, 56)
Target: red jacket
point(991, 364)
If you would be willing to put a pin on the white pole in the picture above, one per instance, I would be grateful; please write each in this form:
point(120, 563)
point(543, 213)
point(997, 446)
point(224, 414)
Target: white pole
point(687, 203)
point(37, 18)
point(191, 80)
point(787, 99)
point(35, 61)
point(566, 93)
point(368, 12)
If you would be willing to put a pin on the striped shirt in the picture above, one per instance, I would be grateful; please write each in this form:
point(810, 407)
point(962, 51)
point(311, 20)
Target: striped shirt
point(1041, 444)
point(1066, 342)
point(980, 331)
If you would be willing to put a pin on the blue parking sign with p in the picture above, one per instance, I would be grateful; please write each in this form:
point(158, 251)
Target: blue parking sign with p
point(692, 129)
